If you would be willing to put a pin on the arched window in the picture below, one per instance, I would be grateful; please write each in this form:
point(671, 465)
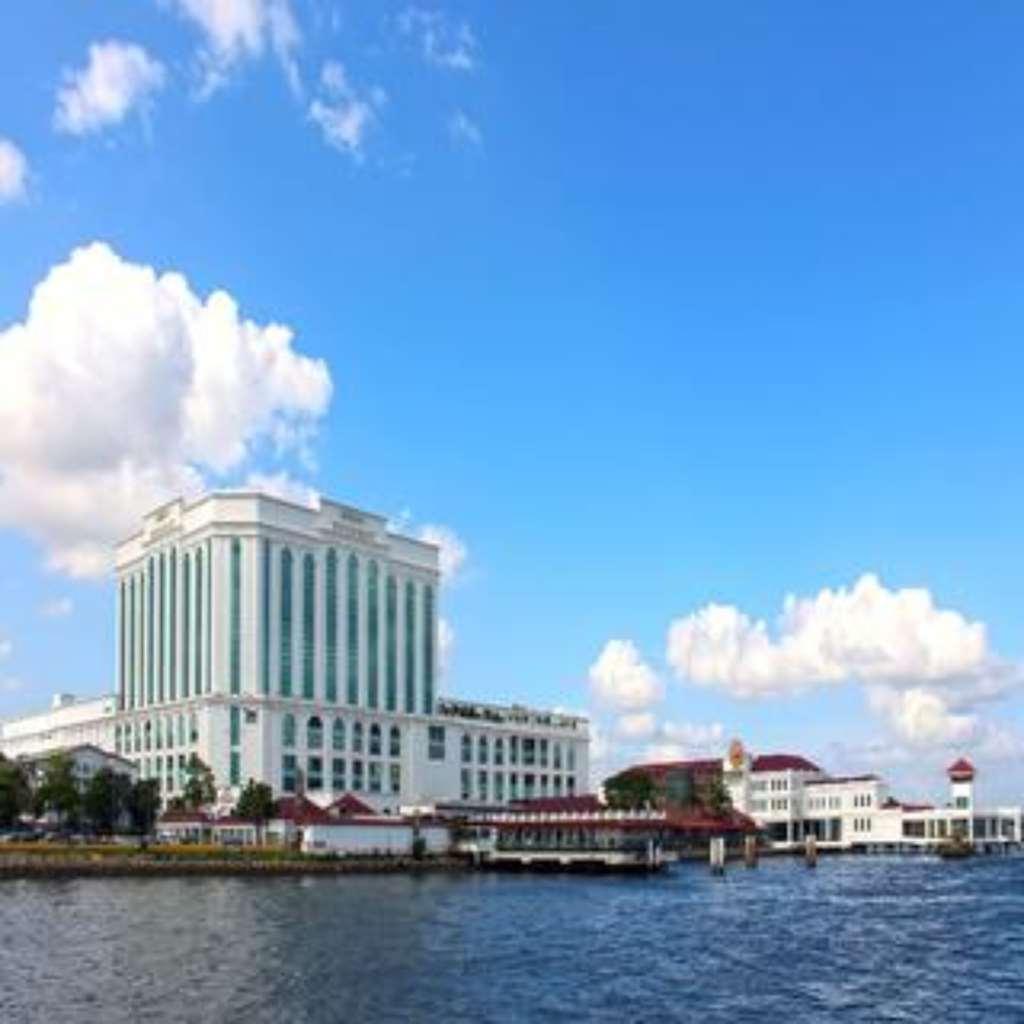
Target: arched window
point(331, 631)
point(410, 646)
point(308, 619)
point(288, 730)
point(338, 734)
point(372, 636)
point(375, 740)
point(395, 742)
point(314, 733)
point(499, 751)
point(391, 645)
point(481, 750)
point(428, 649)
point(286, 623)
point(352, 618)
point(357, 738)
point(467, 748)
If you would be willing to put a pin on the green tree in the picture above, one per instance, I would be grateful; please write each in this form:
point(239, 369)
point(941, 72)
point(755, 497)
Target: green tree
point(199, 789)
point(105, 799)
point(630, 790)
point(256, 804)
point(143, 805)
point(714, 796)
point(15, 792)
point(58, 791)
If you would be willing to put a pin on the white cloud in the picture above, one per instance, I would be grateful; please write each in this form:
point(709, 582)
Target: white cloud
point(453, 554)
point(342, 112)
point(119, 77)
point(445, 644)
point(58, 608)
point(463, 130)
point(695, 738)
point(922, 716)
point(6, 647)
point(867, 633)
point(638, 726)
point(621, 679)
point(281, 485)
point(443, 43)
point(122, 388)
point(239, 30)
point(13, 172)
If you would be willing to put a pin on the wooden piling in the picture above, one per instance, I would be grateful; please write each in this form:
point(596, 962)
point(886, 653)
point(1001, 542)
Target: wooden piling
point(811, 851)
point(750, 851)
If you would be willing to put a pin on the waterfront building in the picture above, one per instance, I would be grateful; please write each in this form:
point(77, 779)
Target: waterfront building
point(791, 798)
point(85, 758)
point(299, 647)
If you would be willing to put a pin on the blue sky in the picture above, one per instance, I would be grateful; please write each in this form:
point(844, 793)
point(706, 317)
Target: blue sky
point(655, 307)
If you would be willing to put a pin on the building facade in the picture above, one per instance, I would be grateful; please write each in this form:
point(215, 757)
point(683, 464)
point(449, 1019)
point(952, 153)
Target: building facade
point(299, 647)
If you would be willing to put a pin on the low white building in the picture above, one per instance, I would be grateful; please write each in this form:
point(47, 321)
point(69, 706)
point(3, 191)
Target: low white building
point(298, 647)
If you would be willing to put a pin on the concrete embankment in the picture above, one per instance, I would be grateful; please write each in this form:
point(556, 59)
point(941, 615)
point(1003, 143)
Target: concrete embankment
point(144, 866)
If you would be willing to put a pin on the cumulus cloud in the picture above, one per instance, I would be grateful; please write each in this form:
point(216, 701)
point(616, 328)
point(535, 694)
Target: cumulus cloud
point(13, 172)
point(122, 387)
point(442, 42)
point(118, 78)
point(463, 130)
point(282, 485)
point(58, 608)
point(638, 726)
point(453, 554)
point(238, 30)
point(925, 666)
point(343, 113)
point(621, 679)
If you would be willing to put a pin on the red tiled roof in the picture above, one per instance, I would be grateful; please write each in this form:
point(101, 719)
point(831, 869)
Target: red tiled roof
point(349, 804)
point(697, 819)
point(302, 811)
point(961, 767)
point(841, 778)
point(585, 803)
point(783, 763)
point(704, 766)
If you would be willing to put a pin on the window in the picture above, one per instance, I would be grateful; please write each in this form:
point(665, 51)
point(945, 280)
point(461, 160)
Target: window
point(557, 785)
point(236, 768)
point(466, 784)
point(338, 774)
point(308, 620)
point(513, 786)
point(159, 734)
point(481, 750)
point(193, 729)
point(570, 786)
point(288, 773)
point(235, 666)
point(513, 750)
point(149, 736)
point(314, 773)
point(570, 757)
point(375, 776)
point(352, 650)
point(375, 745)
point(556, 756)
point(395, 777)
point(395, 742)
point(528, 783)
point(288, 730)
point(410, 646)
point(481, 785)
point(357, 738)
point(467, 748)
point(372, 636)
point(264, 617)
point(529, 753)
point(357, 776)
point(331, 638)
point(181, 730)
point(428, 649)
point(543, 785)
point(499, 751)
point(285, 646)
point(338, 734)
point(391, 645)
point(314, 733)
point(435, 743)
point(543, 753)
point(236, 726)
point(499, 787)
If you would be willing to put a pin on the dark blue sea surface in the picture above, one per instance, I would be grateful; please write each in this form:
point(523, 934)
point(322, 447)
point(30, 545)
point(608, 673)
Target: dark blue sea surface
point(859, 940)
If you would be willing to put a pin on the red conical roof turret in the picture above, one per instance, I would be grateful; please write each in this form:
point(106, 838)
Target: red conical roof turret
point(961, 770)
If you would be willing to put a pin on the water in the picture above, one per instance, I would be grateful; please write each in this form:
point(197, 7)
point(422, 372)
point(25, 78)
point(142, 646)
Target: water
point(858, 940)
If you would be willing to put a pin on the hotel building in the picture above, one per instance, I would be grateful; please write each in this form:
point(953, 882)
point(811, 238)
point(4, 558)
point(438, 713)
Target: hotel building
point(298, 647)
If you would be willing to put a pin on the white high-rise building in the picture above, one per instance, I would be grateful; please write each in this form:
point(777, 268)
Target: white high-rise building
point(299, 647)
